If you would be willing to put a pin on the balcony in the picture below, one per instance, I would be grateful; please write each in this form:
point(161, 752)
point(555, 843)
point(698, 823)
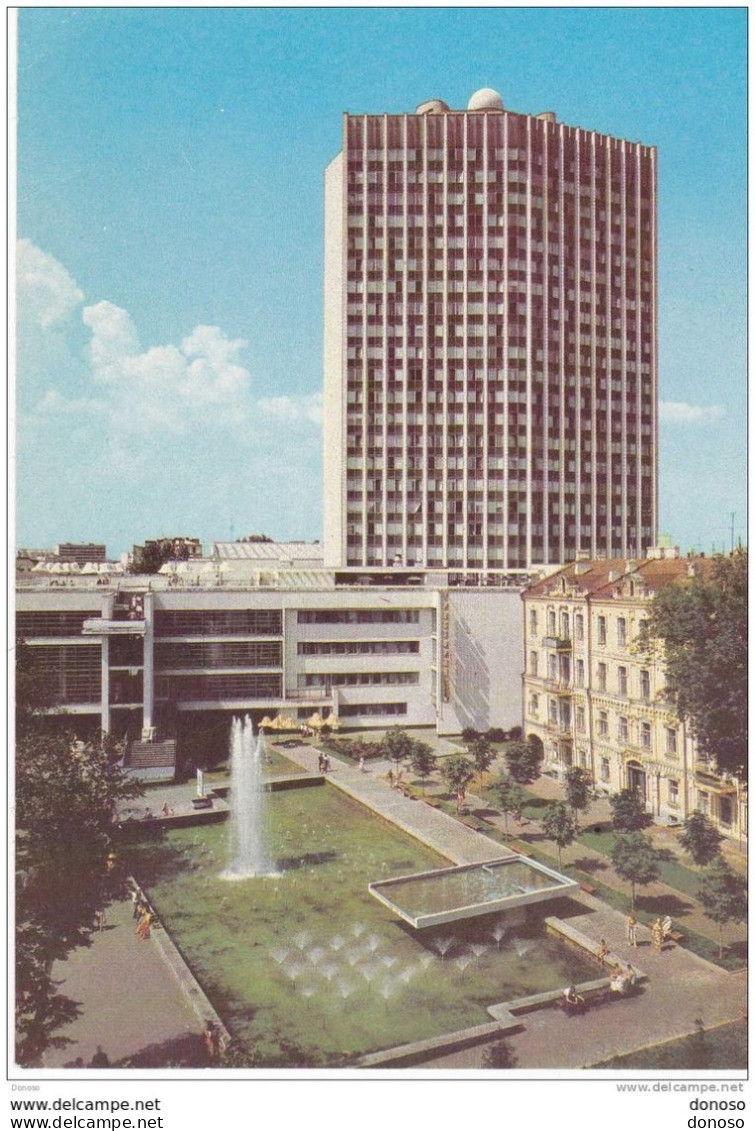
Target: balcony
point(98, 626)
point(708, 776)
point(559, 686)
point(560, 643)
point(561, 729)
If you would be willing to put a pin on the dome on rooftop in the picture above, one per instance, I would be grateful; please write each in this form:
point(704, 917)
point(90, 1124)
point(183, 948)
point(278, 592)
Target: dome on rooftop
point(485, 99)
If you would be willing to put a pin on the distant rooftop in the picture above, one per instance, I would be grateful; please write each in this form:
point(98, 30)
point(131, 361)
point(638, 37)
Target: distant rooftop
point(269, 551)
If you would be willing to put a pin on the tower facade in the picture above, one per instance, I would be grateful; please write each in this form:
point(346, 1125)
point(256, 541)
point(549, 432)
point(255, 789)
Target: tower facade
point(490, 392)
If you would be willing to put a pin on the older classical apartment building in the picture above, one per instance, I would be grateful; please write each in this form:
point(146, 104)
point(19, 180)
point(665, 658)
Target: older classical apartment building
point(490, 369)
point(594, 698)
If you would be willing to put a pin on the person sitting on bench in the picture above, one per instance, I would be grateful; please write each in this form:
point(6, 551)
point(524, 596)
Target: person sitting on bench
point(572, 1001)
point(620, 981)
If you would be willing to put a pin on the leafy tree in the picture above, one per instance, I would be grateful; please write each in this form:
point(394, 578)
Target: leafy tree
point(31, 687)
point(150, 557)
point(702, 627)
point(559, 824)
point(397, 746)
point(66, 867)
point(635, 860)
point(255, 538)
point(523, 761)
point(700, 838)
point(723, 894)
point(457, 773)
point(629, 812)
point(579, 785)
point(482, 754)
point(510, 798)
point(423, 761)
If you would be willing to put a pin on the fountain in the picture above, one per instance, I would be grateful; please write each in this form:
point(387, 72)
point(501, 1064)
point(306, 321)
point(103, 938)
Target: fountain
point(263, 945)
point(248, 853)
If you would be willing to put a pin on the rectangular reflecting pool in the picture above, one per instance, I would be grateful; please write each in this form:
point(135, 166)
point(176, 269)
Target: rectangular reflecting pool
point(448, 894)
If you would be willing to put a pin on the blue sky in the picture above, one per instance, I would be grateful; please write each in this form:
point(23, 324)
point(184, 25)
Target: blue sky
point(170, 166)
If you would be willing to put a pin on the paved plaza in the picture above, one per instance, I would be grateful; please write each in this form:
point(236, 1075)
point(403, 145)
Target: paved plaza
point(133, 1006)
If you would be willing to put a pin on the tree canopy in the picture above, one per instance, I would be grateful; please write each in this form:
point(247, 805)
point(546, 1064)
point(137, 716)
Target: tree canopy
point(628, 811)
point(150, 557)
point(523, 760)
point(578, 791)
point(510, 797)
point(65, 859)
point(422, 760)
point(397, 745)
point(703, 629)
point(66, 868)
point(457, 772)
point(723, 894)
point(636, 860)
point(700, 838)
point(559, 824)
point(482, 754)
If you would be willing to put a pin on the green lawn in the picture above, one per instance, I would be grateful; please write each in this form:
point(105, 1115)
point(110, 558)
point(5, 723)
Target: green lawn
point(672, 872)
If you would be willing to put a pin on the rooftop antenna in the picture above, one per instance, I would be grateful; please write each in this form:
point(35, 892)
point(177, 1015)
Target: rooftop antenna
point(732, 531)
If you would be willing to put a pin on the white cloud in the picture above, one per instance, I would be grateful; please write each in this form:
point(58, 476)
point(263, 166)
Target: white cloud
point(53, 404)
point(164, 419)
point(114, 338)
point(293, 409)
point(47, 295)
point(679, 412)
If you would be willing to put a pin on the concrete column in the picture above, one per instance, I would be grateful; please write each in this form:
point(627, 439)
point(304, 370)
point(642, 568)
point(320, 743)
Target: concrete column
point(148, 677)
point(105, 681)
point(108, 602)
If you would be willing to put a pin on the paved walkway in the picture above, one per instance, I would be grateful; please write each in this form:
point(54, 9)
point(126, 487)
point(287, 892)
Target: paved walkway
point(131, 1003)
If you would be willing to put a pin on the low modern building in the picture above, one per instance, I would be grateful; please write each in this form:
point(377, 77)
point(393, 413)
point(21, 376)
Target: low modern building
point(81, 552)
point(595, 698)
point(142, 654)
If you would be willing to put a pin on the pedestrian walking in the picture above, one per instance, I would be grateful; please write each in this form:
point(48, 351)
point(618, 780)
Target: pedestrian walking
point(361, 763)
point(632, 930)
point(136, 904)
point(145, 924)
